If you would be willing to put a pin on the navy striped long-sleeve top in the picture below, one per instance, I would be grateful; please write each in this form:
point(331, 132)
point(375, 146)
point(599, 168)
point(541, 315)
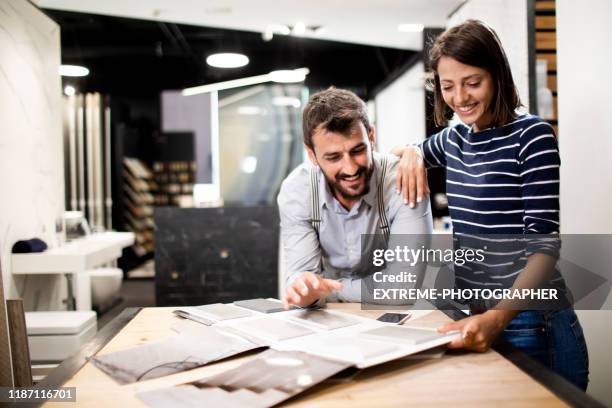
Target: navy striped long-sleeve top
point(502, 180)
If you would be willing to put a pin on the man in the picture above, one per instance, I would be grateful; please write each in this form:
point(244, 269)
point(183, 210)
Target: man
point(324, 211)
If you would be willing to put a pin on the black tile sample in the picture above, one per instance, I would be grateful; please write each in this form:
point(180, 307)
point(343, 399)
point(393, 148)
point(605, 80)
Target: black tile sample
point(209, 255)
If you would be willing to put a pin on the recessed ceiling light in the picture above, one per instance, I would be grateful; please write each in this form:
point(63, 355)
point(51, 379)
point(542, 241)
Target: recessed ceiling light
point(410, 28)
point(73, 71)
point(227, 60)
point(299, 28)
point(287, 76)
point(69, 90)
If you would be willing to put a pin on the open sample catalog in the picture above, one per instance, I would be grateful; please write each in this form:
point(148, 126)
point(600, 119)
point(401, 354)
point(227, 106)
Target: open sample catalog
point(306, 347)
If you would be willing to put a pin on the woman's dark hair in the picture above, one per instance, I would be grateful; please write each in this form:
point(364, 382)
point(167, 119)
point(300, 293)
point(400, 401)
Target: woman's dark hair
point(476, 44)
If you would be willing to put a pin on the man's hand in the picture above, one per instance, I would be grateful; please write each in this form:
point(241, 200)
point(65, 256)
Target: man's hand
point(308, 288)
point(479, 331)
point(411, 180)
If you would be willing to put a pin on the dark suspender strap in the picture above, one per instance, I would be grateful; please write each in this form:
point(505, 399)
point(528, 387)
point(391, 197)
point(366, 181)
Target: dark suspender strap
point(314, 200)
point(383, 222)
point(315, 210)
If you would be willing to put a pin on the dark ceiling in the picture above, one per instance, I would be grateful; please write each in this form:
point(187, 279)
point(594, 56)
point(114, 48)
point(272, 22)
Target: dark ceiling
point(138, 56)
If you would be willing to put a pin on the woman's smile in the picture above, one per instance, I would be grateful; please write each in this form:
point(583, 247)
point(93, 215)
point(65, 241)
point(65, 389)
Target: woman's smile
point(467, 90)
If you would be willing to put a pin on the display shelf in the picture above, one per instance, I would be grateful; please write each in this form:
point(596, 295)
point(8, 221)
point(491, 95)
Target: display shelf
point(545, 27)
point(175, 180)
point(139, 187)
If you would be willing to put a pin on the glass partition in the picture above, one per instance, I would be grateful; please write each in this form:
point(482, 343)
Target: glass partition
point(260, 140)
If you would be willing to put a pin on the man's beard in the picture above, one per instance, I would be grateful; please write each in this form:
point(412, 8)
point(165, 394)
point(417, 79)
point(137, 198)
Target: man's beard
point(349, 195)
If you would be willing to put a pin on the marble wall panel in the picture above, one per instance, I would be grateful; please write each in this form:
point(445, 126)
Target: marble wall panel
point(31, 157)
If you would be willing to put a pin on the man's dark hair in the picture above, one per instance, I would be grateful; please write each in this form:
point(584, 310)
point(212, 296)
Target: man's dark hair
point(335, 110)
point(474, 43)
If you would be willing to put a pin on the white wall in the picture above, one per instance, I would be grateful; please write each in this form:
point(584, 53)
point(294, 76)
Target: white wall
point(585, 138)
point(31, 156)
point(509, 20)
point(585, 129)
point(400, 110)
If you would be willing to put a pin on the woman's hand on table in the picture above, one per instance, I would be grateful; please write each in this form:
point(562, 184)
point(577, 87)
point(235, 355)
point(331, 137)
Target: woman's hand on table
point(307, 288)
point(411, 180)
point(479, 331)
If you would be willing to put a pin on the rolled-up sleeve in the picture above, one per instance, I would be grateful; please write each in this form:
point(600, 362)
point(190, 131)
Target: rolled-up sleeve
point(300, 244)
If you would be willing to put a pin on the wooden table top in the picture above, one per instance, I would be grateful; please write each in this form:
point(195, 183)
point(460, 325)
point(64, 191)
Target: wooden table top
point(457, 379)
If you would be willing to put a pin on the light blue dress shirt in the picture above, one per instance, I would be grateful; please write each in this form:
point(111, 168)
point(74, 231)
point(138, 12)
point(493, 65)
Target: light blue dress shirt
point(336, 252)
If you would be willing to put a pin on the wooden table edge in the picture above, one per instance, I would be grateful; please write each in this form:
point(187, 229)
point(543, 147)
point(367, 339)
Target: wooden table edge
point(558, 385)
point(554, 382)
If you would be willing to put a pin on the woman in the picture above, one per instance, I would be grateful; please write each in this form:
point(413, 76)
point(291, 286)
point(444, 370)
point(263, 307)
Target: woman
point(502, 178)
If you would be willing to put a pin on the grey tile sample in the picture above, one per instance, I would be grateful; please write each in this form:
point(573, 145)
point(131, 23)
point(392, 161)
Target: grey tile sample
point(184, 351)
point(268, 379)
point(220, 311)
point(261, 305)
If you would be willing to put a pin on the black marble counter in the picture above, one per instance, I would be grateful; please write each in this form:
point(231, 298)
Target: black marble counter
point(208, 255)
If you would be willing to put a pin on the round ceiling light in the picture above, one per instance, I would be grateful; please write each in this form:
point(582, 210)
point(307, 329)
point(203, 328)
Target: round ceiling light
point(287, 76)
point(73, 71)
point(227, 60)
point(69, 90)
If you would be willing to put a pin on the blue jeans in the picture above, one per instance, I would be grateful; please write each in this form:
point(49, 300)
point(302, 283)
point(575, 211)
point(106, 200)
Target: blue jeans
point(555, 339)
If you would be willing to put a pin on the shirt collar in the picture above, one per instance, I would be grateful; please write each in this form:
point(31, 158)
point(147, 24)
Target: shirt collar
point(327, 198)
